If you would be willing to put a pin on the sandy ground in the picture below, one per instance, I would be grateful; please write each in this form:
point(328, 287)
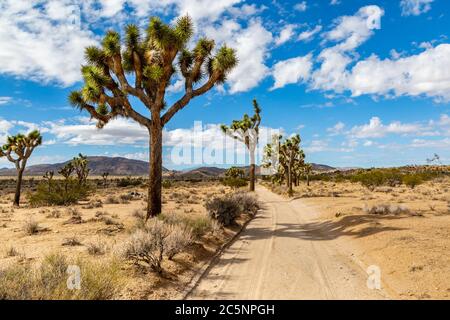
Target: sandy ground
point(412, 249)
point(320, 243)
point(56, 231)
point(279, 257)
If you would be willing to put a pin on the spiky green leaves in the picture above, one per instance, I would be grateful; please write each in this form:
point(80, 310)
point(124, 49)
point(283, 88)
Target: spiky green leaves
point(153, 72)
point(225, 60)
point(111, 43)
point(184, 29)
point(22, 144)
point(132, 36)
point(203, 48)
point(95, 56)
point(167, 38)
point(76, 99)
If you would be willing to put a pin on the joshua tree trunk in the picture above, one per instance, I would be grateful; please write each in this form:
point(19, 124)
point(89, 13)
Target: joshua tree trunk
point(307, 180)
point(290, 191)
point(18, 187)
point(252, 169)
point(155, 182)
point(252, 177)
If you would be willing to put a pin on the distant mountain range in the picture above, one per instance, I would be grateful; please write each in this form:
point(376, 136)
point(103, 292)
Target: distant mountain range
point(118, 166)
point(114, 166)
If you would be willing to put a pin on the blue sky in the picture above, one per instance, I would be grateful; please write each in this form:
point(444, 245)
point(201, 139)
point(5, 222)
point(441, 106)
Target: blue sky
point(365, 83)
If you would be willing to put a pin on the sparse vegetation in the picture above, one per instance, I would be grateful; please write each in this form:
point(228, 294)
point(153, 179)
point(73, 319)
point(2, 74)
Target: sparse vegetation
point(100, 280)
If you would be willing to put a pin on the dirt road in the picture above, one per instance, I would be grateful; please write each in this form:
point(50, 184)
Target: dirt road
point(278, 257)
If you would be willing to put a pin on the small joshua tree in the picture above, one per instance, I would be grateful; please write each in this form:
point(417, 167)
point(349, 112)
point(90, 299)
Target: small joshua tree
point(18, 150)
point(150, 61)
point(105, 176)
point(66, 172)
point(49, 177)
point(80, 165)
point(246, 130)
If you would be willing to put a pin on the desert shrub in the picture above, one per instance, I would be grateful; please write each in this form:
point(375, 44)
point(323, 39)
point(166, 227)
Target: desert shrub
point(166, 184)
point(129, 182)
point(11, 252)
point(96, 248)
point(178, 239)
point(75, 216)
point(59, 193)
point(71, 241)
point(55, 213)
point(248, 203)
point(125, 198)
point(199, 225)
point(384, 209)
point(99, 280)
point(94, 204)
point(112, 200)
point(139, 214)
point(234, 182)
point(223, 209)
point(31, 226)
point(379, 177)
point(412, 180)
point(146, 246)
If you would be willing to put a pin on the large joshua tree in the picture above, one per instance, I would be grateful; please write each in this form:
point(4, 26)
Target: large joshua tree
point(149, 60)
point(18, 150)
point(246, 130)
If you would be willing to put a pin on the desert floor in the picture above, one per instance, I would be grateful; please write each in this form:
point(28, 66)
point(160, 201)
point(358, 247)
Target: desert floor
point(409, 237)
point(103, 222)
point(329, 232)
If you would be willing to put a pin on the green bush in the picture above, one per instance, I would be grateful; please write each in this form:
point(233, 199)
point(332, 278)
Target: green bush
point(223, 209)
point(412, 180)
point(166, 184)
point(129, 182)
point(234, 182)
point(59, 193)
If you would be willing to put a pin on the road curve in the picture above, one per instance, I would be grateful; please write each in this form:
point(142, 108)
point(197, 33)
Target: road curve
point(278, 257)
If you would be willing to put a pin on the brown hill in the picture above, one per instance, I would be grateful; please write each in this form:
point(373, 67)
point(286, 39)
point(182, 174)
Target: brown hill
point(98, 165)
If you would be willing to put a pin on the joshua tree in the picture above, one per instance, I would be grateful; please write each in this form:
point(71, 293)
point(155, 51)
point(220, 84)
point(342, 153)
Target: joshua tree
point(307, 168)
point(290, 158)
point(290, 153)
point(246, 130)
point(80, 165)
point(149, 60)
point(49, 177)
point(105, 176)
point(22, 146)
point(235, 172)
point(66, 172)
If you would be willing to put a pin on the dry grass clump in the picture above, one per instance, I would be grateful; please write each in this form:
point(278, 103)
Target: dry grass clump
point(385, 209)
point(94, 204)
point(96, 248)
point(112, 200)
point(72, 242)
point(99, 280)
point(55, 213)
point(12, 252)
point(148, 246)
point(75, 216)
point(199, 225)
point(31, 227)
